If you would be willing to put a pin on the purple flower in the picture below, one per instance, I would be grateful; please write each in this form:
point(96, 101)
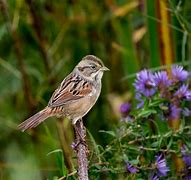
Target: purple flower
point(125, 108)
point(141, 101)
point(144, 83)
point(127, 119)
point(174, 112)
point(183, 93)
point(179, 74)
point(186, 156)
point(161, 165)
point(130, 168)
point(188, 177)
point(153, 176)
point(187, 159)
point(161, 79)
point(186, 112)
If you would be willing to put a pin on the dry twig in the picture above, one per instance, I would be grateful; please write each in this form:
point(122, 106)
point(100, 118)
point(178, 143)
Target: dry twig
point(81, 150)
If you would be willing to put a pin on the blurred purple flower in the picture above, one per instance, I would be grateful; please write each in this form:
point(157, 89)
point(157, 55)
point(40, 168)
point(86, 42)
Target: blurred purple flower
point(179, 74)
point(187, 159)
point(141, 101)
point(153, 176)
point(162, 167)
point(130, 168)
point(186, 112)
point(174, 112)
point(127, 119)
point(144, 83)
point(183, 93)
point(162, 80)
point(186, 156)
point(188, 176)
point(125, 108)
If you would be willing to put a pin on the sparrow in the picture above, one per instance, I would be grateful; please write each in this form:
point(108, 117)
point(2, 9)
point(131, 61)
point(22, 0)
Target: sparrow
point(75, 96)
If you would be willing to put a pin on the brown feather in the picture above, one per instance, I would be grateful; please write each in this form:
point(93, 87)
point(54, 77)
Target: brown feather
point(35, 120)
point(70, 92)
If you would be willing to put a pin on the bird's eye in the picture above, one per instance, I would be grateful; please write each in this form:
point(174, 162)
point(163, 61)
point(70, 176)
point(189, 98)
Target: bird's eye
point(93, 67)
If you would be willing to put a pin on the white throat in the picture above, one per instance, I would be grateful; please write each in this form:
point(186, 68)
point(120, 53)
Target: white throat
point(98, 76)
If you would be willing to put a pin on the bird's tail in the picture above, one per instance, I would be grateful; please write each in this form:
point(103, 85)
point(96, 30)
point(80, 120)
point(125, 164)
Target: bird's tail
point(35, 120)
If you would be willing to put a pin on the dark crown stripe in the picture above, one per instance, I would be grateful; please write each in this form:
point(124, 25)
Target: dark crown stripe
point(93, 58)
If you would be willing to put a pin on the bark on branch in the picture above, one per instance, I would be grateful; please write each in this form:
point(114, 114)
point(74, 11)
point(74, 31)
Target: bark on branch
point(81, 150)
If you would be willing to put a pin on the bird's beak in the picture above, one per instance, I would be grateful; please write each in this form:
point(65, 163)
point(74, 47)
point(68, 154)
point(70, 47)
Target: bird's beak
point(104, 68)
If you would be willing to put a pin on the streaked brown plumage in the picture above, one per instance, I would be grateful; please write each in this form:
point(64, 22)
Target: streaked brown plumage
point(76, 94)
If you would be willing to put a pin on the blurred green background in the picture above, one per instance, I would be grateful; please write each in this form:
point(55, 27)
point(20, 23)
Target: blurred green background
point(41, 42)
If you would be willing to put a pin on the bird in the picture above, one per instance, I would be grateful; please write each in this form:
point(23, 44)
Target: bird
point(75, 95)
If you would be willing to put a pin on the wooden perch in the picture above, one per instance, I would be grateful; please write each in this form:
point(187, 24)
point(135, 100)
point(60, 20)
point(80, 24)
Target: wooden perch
point(81, 150)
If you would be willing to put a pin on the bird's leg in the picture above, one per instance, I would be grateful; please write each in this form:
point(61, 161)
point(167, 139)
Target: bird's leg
point(82, 137)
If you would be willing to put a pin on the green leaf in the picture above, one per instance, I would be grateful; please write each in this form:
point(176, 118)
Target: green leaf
point(134, 162)
point(146, 113)
point(155, 144)
point(155, 102)
point(170, 142)
point(95, 146)
point(108, 132)
point(60, 161)
point(54, 151)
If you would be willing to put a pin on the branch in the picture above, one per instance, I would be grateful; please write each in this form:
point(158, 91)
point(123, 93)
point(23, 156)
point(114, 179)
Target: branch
point(81, 150)
point(168, 134)
point(65, 177)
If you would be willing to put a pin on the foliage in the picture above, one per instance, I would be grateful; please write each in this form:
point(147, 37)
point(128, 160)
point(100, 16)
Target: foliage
point(40, 43)
point(144, 144)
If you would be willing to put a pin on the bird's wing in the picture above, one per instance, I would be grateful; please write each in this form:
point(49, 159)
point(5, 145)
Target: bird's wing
point(72, 88)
